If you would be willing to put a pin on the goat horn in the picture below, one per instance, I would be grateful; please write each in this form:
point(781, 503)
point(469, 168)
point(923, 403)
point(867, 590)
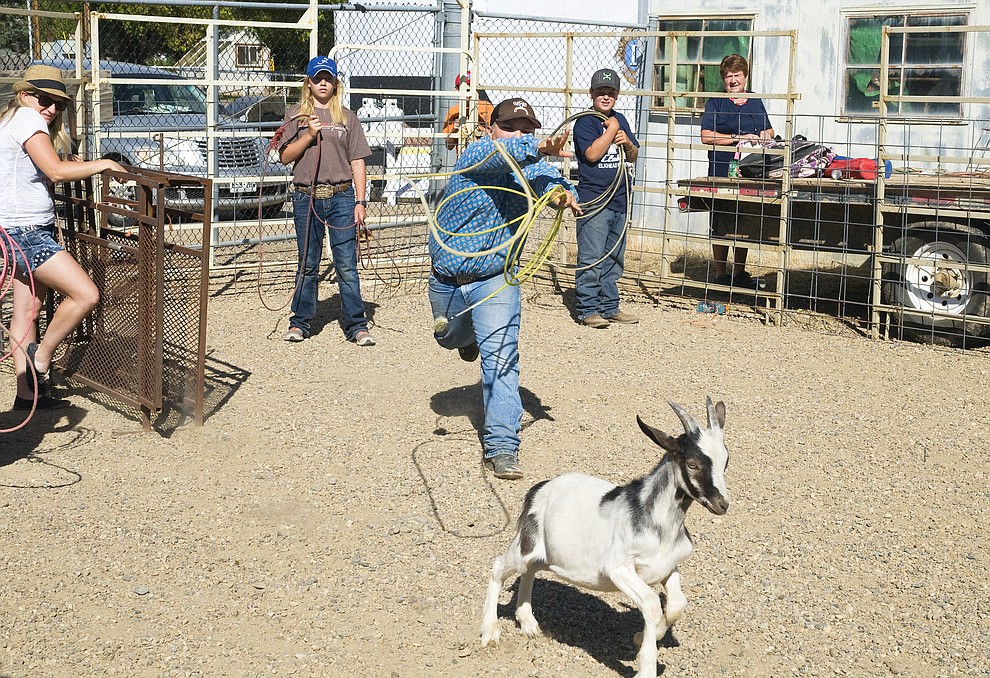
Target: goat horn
point(690, 425)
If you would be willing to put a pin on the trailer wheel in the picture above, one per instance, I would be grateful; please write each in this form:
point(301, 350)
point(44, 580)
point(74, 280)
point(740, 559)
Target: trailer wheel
point(938, 278)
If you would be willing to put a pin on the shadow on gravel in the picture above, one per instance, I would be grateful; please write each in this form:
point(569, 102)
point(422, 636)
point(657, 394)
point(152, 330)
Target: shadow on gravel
point(221, 381)
point(467, 401)
point(38, 443)
point(584, 621)
point(328, 311)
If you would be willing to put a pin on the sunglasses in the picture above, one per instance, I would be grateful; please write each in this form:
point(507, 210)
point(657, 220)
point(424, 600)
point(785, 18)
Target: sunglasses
point(45, 101)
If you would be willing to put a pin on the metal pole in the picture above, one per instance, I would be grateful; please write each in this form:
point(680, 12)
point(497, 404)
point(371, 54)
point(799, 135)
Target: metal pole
point(35, 32)
point(314, 38)
point(454, 20)
point(212, 109)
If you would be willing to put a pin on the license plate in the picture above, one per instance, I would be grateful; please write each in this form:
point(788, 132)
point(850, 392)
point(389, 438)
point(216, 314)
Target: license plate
point(243, 187)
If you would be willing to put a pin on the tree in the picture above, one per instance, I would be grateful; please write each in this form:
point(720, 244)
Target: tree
point(290, 50)
point(14, 38)
point(148, 43)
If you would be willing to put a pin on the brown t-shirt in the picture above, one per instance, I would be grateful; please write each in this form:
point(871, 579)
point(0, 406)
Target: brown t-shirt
point(338, 146)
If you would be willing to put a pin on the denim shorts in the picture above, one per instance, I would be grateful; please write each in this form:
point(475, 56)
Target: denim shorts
point(37, 245)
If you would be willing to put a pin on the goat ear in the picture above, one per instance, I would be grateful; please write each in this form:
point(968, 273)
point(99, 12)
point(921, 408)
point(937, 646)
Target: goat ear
point(656, 435)
point(716, 414)
point(690, 425)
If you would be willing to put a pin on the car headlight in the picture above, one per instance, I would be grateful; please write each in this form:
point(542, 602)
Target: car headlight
point(187, 153)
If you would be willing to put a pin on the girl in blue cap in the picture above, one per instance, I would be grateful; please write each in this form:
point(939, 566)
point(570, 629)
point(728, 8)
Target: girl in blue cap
point(326, 145)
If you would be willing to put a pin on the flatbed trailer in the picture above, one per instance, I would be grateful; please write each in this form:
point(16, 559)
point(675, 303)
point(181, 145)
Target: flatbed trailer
point(926, 237)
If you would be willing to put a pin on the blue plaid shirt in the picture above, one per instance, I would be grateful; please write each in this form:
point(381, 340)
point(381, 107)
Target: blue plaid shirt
point(479, 210)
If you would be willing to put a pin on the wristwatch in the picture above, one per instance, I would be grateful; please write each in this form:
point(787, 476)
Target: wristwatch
point(362, 203)
point(734, 136)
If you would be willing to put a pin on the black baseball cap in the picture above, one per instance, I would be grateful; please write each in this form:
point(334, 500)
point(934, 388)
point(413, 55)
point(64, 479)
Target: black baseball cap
point(514, 109)
point(605, 77)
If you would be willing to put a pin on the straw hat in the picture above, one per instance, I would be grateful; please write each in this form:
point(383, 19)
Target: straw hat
point(47, 79)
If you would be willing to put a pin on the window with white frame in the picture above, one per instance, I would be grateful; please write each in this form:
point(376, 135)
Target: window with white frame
point(697, 56)
point(248, 56)
point(927, 63)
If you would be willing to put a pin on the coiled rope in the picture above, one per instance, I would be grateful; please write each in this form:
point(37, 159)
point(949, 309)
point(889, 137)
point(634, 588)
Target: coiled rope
point(10, 252)
point(514, 272)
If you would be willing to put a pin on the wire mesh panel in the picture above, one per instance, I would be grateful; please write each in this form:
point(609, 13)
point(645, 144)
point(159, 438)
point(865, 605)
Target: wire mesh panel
point(853, 246)
point(144, 343)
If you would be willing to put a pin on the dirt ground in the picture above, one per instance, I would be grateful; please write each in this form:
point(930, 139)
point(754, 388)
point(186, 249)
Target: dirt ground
point(331, 518)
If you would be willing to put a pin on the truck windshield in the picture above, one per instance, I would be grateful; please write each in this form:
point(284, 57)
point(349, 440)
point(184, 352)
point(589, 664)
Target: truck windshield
point(141, 99)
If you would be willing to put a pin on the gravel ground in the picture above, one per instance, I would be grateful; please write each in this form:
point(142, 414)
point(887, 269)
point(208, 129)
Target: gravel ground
point(332, 518)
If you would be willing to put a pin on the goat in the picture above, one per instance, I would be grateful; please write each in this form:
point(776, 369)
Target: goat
point(598, 536)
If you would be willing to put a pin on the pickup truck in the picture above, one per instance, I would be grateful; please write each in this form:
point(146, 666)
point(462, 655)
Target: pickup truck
point(162, 126)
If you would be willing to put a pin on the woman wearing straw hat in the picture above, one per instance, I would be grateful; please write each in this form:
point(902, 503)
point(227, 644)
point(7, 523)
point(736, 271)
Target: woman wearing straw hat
point(34, 154)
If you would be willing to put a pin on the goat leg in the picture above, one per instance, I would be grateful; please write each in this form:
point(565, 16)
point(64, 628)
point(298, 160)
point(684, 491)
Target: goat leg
point(648, 602)
point(524, 604)
point(501, 570)
point(674, 609)
point(676, 601)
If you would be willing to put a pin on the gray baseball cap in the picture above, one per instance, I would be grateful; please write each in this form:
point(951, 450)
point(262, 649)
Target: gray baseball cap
point(605, 77)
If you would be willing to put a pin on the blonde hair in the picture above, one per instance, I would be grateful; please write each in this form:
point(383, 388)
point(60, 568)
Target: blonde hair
point(307, 102)
point(56, 128)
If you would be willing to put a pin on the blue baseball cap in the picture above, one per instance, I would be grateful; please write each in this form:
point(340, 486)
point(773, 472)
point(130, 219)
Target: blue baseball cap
point(321, 63)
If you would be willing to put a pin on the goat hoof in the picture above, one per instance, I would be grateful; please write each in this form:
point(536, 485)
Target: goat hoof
point(491, 637)
point(530, 630)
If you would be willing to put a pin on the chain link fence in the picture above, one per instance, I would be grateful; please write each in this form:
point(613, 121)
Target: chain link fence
point(238, 72)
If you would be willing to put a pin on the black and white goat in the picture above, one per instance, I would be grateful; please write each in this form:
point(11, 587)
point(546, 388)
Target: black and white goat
point(607, 538)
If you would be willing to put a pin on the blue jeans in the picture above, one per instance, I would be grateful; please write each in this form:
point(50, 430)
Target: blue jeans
point(494, 325)
point(37, 245)
point(338, 213)
point(597, 287)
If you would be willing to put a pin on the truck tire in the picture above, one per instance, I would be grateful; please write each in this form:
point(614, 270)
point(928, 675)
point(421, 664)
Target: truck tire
point(942, 282)
point(121, 191)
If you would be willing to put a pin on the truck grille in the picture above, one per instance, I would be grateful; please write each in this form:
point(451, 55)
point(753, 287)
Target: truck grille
point(233, 153)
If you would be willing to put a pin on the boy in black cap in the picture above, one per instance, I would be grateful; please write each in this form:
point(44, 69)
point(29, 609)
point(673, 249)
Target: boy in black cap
point(475, 310)
point(601, 231)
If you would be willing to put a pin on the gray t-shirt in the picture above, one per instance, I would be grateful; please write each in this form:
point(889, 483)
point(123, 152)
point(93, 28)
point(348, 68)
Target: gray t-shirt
point(338, 146)
point(25, 199)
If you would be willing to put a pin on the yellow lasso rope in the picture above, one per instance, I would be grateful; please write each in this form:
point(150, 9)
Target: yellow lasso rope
point(596, 205)
point(515, 243)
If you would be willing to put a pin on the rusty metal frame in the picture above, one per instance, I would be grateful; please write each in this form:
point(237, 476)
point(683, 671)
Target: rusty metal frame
point(145, 343)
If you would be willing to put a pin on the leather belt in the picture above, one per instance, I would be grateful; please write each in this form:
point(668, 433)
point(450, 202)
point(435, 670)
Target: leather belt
point(458, 280)
point(323, 191)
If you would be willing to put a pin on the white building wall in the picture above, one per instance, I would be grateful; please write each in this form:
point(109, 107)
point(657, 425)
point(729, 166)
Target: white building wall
point(820, 58)
point(819, 63)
